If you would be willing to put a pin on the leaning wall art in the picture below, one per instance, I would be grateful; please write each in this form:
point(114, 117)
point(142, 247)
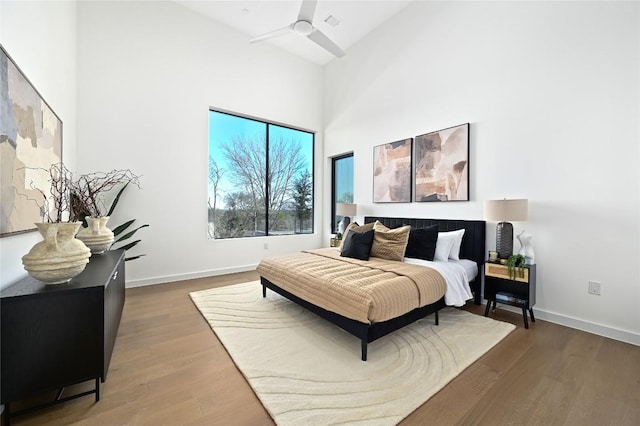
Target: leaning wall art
point(30, 142)
point(392, 172)
point(442, 165)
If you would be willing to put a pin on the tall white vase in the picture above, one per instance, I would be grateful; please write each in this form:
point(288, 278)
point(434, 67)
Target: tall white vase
point(60, 256)
point(96, 236)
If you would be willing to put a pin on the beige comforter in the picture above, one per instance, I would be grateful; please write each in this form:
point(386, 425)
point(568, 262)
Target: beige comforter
point(366, 291)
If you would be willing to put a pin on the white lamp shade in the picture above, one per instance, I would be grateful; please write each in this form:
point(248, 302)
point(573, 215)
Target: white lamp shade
point(506, 210)
point(345, 209)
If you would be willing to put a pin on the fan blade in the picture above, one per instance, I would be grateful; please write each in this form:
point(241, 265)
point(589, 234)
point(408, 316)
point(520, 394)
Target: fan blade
point(275, 33)
point(323, 41)
point(307, 10)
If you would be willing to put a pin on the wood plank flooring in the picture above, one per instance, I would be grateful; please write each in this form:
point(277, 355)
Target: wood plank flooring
point(169, 368)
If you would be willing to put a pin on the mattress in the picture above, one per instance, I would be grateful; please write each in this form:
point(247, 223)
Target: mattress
point(366, 291)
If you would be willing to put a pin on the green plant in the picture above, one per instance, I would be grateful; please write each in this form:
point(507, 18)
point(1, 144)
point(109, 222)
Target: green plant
point(515, 265)
point(121, 228)
point(339, 236)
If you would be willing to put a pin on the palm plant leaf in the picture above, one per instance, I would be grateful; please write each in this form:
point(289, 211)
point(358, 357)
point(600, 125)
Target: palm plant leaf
point(115, 200)
point(128, 246)
point(134, 257)
point(120, 228)
point(129, 234)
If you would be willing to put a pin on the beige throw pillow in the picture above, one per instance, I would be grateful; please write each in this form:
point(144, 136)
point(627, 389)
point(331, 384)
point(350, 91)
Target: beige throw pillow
point(388, 243)
point(357, 228)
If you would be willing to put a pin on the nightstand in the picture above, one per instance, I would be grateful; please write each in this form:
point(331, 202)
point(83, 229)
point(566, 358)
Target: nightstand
point(518, 291)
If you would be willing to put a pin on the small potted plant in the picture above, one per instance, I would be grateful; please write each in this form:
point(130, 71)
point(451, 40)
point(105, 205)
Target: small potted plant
point(335, 241)
point(515, 266)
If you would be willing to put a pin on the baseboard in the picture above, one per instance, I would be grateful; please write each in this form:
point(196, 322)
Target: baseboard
point(189, 276)
point(579, 324)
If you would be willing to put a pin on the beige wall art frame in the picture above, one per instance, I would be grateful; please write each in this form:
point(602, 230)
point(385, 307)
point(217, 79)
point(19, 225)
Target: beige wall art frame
point(30, 142)
point(392, 172)
point(442, 165)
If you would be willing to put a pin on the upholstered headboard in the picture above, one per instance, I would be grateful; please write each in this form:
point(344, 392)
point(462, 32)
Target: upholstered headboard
point(473, 241)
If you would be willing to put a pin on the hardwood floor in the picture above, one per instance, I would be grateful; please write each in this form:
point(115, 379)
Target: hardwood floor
point(168, 367)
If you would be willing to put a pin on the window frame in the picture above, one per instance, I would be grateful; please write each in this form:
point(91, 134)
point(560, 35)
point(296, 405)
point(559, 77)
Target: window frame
point(267, 124)
point(334, 225)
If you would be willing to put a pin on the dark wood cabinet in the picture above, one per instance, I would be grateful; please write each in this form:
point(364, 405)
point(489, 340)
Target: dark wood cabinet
point(54, 336)
point(517, 289)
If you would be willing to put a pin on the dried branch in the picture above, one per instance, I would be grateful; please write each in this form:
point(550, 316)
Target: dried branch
point(88, 190)
point(57, 202)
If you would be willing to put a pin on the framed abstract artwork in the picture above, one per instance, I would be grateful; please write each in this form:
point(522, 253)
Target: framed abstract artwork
point(392, 172)
point(442, 165)
point(30, 142)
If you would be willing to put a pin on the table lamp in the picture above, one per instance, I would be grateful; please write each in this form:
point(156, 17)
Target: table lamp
point(504, 211)
point(345, 210)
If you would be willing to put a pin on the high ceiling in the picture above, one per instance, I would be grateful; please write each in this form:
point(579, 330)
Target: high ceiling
point(356, 18)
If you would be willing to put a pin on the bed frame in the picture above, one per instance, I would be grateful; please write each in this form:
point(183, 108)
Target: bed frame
point(473, 247)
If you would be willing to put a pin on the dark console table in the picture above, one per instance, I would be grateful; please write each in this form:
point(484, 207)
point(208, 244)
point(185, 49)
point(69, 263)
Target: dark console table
point(54, 336)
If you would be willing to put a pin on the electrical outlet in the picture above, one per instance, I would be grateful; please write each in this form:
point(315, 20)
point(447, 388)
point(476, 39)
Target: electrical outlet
point(266, 246)
point(594, 288)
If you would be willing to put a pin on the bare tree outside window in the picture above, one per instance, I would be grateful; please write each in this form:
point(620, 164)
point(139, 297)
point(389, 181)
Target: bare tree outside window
point(215, 176)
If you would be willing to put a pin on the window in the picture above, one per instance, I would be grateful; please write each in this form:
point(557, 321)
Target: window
point(260, 178)
point(341, 185)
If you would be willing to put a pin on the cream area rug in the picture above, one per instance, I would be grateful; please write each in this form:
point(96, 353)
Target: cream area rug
point(306, 371)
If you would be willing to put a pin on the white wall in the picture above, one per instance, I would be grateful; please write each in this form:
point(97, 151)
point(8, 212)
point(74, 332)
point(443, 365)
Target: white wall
point(552, 94)
point(40, 36)
point(147, 74)
point(551, 91)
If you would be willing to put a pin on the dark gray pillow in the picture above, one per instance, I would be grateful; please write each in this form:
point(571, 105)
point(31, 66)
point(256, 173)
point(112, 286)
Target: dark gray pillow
point(422, 243)
point(357, 245)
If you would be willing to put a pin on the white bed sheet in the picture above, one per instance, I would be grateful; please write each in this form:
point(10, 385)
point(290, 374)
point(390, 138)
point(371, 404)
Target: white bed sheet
point(457, 274)
point(470, 267)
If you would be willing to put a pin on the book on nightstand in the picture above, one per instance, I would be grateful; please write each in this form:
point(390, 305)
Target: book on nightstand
point(510, 298)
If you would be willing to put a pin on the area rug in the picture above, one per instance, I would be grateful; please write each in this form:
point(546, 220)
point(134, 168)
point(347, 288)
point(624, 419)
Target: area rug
point(306, 371)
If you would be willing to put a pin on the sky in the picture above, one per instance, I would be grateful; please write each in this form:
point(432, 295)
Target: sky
point(224, 127)
point(344, 178)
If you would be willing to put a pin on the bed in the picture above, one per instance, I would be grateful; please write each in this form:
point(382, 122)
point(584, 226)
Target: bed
point(387, 320)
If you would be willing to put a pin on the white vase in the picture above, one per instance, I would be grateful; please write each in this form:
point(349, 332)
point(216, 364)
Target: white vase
point(59, 257)
point(96, 235)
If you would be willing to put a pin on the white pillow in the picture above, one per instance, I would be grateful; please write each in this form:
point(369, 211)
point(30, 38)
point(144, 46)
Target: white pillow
point(443, 246)
point(448, 245)
point(457, 242)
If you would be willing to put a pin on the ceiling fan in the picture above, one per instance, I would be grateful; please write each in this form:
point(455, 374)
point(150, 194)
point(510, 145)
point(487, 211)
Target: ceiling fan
point(304, 26)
